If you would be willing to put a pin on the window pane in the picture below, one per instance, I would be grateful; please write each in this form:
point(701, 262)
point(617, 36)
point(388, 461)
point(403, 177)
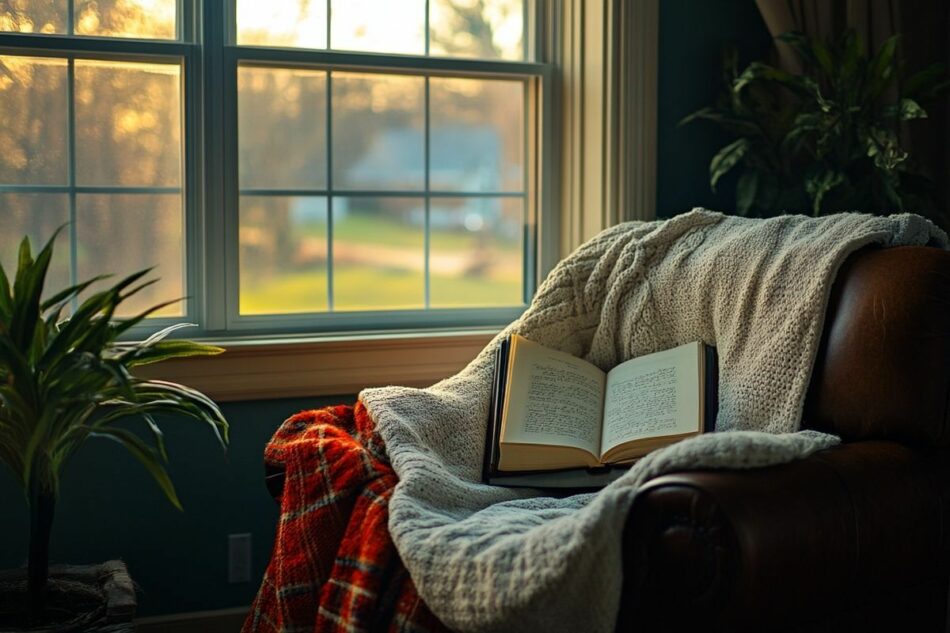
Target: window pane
point(32, 148)
point(37, 215)
point(283, 256)
point(379, 26)
point(33, 16)
point(128, 123)
point(282, 112)
point(477, 128)
point(490, 29)
point(378, 136)
point(378, 253)
point(297, 23)
point(151, 19)
point(123, 233)
point(475, 252)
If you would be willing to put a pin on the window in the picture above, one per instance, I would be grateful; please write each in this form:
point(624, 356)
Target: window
point(292, 166)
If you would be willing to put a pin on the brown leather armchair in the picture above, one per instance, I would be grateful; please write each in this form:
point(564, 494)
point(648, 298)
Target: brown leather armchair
point(854, 538)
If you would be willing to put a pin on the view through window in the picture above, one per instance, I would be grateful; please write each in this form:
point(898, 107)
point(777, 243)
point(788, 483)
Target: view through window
point(378, 154)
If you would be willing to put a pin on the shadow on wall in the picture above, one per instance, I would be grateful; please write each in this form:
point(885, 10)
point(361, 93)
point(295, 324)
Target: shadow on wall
point(691, 40)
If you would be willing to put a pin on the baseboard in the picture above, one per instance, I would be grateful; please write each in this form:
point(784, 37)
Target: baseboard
point(219, 621)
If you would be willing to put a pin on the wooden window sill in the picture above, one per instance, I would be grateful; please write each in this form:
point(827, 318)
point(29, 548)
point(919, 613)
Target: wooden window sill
point(262, 369)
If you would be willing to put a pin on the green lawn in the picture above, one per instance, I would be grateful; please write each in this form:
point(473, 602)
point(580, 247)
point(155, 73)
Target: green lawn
point(368, 288)
point(379, 229)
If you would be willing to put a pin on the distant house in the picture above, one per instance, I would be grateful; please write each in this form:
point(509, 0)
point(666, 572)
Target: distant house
point(464, 159)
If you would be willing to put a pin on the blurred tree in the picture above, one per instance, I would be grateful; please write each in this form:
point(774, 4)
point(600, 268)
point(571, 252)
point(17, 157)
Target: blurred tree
point(127, 131)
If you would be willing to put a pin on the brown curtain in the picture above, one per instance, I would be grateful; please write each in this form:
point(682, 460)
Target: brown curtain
point(923, 25)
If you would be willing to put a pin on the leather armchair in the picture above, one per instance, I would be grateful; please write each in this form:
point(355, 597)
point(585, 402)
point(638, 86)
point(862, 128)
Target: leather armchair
point(854, 538)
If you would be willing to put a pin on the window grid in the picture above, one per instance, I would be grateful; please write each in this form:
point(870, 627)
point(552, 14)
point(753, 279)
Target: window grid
point(72, 189)
point(330, 193)
point(205, 153)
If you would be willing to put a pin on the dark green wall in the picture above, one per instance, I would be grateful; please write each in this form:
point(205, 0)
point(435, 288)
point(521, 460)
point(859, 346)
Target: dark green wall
point(110, 508)
point(693, 34)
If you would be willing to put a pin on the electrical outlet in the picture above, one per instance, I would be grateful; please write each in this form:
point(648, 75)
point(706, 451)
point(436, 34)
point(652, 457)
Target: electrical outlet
point(239, 558)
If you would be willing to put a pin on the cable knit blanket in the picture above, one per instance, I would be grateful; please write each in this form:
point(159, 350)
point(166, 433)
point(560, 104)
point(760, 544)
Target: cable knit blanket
point(496, 559)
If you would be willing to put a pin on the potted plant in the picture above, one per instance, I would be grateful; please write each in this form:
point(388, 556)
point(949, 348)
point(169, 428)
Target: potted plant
point(828, 139)
point(65, 380)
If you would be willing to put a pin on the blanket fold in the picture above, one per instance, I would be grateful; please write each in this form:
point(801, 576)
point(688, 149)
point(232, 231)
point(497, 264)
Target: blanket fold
point(497, 559)
point(334, 568)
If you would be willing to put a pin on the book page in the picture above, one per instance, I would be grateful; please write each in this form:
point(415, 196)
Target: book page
point(653, 396)
point(553, 398)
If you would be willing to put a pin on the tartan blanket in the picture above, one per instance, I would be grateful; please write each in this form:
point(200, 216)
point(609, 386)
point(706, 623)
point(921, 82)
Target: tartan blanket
point(334, 567)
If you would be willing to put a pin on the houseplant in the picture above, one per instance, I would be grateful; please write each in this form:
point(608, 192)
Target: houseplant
point(828, 139)
point(63, 381)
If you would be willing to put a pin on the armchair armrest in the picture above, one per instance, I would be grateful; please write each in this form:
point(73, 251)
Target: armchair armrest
point(857, 526)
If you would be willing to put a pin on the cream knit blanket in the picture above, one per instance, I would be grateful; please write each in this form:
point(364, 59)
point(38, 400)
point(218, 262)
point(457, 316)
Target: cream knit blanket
point(496, 559)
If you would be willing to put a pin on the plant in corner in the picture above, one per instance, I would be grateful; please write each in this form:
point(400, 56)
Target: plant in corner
point(63, 381)
point(828, 139)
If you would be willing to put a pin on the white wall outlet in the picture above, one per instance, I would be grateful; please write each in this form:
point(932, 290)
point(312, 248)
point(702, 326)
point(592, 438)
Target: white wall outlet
point(239, 558)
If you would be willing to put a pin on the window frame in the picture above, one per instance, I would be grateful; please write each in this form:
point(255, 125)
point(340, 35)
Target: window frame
point(71, 48)
point(209, 57)
point(228, 321)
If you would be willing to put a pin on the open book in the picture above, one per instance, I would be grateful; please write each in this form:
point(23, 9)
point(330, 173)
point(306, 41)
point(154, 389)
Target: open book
point(551, 411)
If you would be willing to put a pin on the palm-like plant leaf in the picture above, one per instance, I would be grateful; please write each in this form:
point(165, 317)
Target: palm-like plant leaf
point(62, 382)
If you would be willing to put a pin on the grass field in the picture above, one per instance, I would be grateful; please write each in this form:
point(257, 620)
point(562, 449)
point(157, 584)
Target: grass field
point(365, 288)
point(367, 281)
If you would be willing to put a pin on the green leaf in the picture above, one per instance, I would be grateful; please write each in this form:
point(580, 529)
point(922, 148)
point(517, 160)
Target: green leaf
point(884, 148)
point(702, 113)
point(922, 82)
point(852, 51)
point(759, 72)
point(165, 350)
point(66, 295)
point(823, 57)
point(164, 332)
point(146, 456)
point(746, 190)
point(881, 69)
point(123, 325)
point(27, 291)
point(905, 110)
point(6, 300)
point(818, 185)
point(800, 43)
point(726, 159)
point(212, 414)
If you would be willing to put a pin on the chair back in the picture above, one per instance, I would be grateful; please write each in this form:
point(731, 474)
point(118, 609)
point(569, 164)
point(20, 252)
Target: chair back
point(883, 366)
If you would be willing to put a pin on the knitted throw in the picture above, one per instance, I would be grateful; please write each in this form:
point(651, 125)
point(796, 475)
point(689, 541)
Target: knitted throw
point(495, 559)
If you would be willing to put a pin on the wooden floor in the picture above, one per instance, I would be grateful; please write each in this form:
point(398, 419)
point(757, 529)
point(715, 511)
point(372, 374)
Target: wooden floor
point(221, 621)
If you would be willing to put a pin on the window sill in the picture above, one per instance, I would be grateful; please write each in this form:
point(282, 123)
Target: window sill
point(285, 368)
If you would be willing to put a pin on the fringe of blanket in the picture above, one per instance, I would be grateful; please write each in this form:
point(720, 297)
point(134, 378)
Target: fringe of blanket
point(334, 567)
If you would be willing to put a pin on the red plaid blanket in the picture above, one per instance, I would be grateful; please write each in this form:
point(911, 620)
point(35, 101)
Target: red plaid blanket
point(334, 566)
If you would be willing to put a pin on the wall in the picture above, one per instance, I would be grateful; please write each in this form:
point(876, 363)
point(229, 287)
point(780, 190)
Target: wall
point(110, 508)
point(693, 34)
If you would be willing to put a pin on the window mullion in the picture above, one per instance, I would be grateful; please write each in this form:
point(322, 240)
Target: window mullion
point(329, 148)
point(71, 168)
point(426, 168)
point(218, 263)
